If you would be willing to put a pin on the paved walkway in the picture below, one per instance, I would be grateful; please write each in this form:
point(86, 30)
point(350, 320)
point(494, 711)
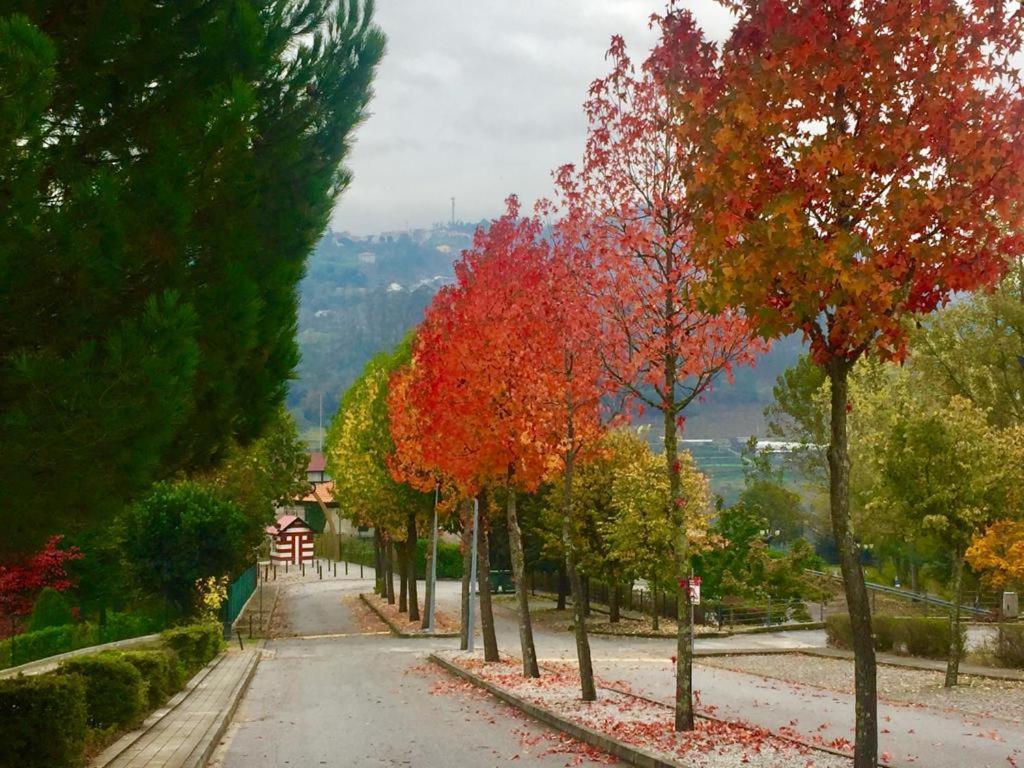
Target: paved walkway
point(185, 732)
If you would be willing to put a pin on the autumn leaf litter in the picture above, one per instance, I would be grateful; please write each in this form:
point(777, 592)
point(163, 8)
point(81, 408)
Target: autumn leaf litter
point(641, 723)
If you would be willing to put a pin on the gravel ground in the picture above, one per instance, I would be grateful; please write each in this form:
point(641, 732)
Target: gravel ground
point(975, 695)
point(648, 725)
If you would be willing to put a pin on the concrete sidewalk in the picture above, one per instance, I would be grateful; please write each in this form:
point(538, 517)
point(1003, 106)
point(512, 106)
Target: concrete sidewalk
point(185, 732)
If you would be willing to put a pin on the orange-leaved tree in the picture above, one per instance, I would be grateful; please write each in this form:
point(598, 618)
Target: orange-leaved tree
point(859, 163)
point(480, 383)
point(660, 347)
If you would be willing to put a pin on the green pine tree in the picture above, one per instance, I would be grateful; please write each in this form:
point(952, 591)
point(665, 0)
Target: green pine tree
point(165, 168)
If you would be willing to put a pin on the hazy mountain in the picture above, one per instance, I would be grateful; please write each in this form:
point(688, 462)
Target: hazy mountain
point(361, 294)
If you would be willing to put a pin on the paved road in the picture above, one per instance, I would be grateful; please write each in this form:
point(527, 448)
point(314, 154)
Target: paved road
point(913, 736)
point(366, 700)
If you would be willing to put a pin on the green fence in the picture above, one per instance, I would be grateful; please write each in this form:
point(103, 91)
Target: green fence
point(239, 592)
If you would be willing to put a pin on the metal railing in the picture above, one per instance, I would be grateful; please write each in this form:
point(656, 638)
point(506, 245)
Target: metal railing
point(920, 598)
point(239, 592)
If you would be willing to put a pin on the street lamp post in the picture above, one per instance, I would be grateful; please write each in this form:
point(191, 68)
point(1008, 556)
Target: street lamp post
point(432, 608)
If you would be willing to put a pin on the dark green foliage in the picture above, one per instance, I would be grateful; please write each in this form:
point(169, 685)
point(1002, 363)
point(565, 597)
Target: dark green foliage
point(449, 559)
point(160, 669)
point(46, 642)
point(910, 635)
point(115, 693)
point(1010, 646)
point(42, 721)
point(165, 168)
point(196, 645)
point(51, 610)
point(51, 641)
point(180, 533)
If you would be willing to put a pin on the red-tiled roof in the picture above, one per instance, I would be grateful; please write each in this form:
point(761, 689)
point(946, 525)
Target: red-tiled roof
point(317, 462)
point(321, 492)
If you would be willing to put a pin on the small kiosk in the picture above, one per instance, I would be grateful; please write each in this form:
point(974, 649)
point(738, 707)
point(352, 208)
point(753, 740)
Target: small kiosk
point(291, 540)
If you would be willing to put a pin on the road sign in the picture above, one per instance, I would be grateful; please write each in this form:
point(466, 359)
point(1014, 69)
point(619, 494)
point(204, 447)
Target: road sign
point(693, 583)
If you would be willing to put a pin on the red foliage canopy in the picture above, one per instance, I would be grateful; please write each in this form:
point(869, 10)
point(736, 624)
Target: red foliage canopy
point(859, 162)
point(20, 583)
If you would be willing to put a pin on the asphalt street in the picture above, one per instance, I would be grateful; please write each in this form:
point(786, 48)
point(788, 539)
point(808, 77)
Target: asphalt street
point(342, 697)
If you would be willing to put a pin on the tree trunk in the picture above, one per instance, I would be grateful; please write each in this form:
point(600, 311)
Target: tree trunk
point(483, 577)
point(655, 618)
point(410, 539)
point(515, 545)
point(428, 588)
point(585, 587)
point(613, 602)
point(955, 649)
point(389, 566)
point(857, 603)
point(378, 571)
point(684, 635)
point(403, 576)
point(563, 587)
point(586, 666)
point(467, 557)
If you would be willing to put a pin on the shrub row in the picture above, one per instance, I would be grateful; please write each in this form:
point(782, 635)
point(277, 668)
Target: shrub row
point(45, 719)
point(1010, 646)
point(909, 635)
point(31, 646)
point(195, 645)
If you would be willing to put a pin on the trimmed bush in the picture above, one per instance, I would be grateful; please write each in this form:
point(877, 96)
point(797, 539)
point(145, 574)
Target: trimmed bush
point(196, 645)
point(51, 610)
point(449, 560)
point(1010, 646)
point(30, 646)
point(838, 633)
point(928, 638)
point(159, 669)
point(115, 693)
point(121, 626)
point(910, 635)
point(42, 721)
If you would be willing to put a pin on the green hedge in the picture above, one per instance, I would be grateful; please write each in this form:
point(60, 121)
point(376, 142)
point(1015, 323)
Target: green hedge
point(910, 635)
point(1010, 646)
point(196, 645)
point(42, 721)
point(32, 646)
point(160, 669)
point(449, 560)
point(115, 693)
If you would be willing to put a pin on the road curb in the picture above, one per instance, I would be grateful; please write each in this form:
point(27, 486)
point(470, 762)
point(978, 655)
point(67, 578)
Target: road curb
point(395, 630)
point(630, 754)
point(619, 749)
point(922, 665)
point(712, 636)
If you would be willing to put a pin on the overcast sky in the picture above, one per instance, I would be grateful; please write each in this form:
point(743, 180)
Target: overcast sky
point(477, 99)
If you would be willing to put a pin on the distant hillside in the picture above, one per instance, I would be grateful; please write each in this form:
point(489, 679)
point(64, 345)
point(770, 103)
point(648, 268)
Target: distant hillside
point(361, 295)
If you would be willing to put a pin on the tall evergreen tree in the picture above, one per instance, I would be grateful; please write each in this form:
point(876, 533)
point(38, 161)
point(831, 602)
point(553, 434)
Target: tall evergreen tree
point(165, 168)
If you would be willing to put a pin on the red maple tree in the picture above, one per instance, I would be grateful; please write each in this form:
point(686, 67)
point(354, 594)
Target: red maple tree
point(858, 164)
point(660, 345)
point(21, 582)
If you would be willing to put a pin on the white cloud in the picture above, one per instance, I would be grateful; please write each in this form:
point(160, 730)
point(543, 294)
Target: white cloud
point(482, 98)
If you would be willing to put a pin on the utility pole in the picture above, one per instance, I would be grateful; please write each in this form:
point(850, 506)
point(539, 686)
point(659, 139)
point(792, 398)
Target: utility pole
point(321, 422)
point(453, 211)
point(432, 608)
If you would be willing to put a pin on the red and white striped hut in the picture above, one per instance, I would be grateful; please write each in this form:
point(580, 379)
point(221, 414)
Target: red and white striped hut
point(292, 540)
